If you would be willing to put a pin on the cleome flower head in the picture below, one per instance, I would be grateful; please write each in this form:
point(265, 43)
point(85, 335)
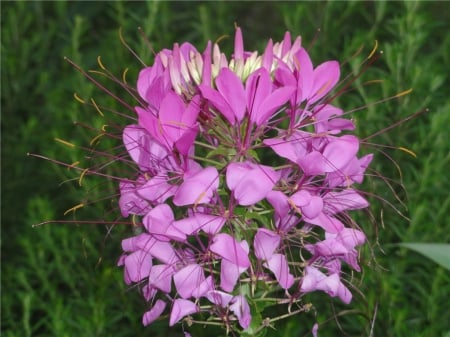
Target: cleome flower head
point(245, 177)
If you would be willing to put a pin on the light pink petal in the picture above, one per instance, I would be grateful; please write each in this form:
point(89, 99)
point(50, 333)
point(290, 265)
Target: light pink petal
point(197, 188)
point(347, 199)
point(241, 309)
point(313, 208)
point(158, 222)
point(157, 189)
point(328, 247)
point(228, 248)
point(340, 152)
point(301, 198)
point(161, 277)
point(137, 266)
point(265, 243)
point(229, 274)
point(250, 183)
point(188, 279)
point(328, 223)
point(351, 237)
point(310, 279)
point(333, 286)
point(279, 202)
point(238, 45)
point(204, 287)
point(154, 312)
point(219, 298)
point(180, 309)
point(279, 266)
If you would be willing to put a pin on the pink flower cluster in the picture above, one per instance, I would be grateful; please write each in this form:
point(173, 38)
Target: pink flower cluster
point(243, 175)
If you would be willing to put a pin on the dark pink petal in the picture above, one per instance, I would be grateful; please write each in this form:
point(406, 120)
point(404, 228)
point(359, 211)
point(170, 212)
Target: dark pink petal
point(271, 104)
point(326, 76)
point(241, 309)
point(180, 309)
point(197, 188)
point(258, 87)
point(228, 248)
point(265, 243)
point(137, 266)
point(206, 72)
point(279, 267)
point(188, 279)
point(217, 100)
point(219, 298)
point(232, 90)
point(305, 70)
point(154, 312)
point(267, 57)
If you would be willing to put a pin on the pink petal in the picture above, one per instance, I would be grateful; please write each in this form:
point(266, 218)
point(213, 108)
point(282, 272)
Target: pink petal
point(279, 266)
point(197, 188)
point(326, 76)
point(229, 274)
point(249, 182)
point(328, 223)
point(340, 152)
point(241, 309)
point(180, 309)
point(333, 286)
point(204, 287)
point(219, 298)
point(161, 277)
point(217, 100)
point(154, 312)
point(137, 266)
point(232, 90)
point(271, 104)
point(265, 243)
point(347, 199)
point(157, 189)
point(228, 248)
point(188, 279)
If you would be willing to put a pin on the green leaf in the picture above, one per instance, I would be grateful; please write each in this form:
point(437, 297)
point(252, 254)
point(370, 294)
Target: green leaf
point(438, 252)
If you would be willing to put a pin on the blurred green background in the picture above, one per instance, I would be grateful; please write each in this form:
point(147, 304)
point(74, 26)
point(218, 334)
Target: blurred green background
point(61, 279)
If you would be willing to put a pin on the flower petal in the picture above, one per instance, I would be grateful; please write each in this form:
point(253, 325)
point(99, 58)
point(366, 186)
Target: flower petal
point(180, 309)
point(154, 312)
point(228, 248)
point(265, 243)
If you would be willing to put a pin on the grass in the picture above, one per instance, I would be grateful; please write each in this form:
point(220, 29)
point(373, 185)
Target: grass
point(61, 280)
